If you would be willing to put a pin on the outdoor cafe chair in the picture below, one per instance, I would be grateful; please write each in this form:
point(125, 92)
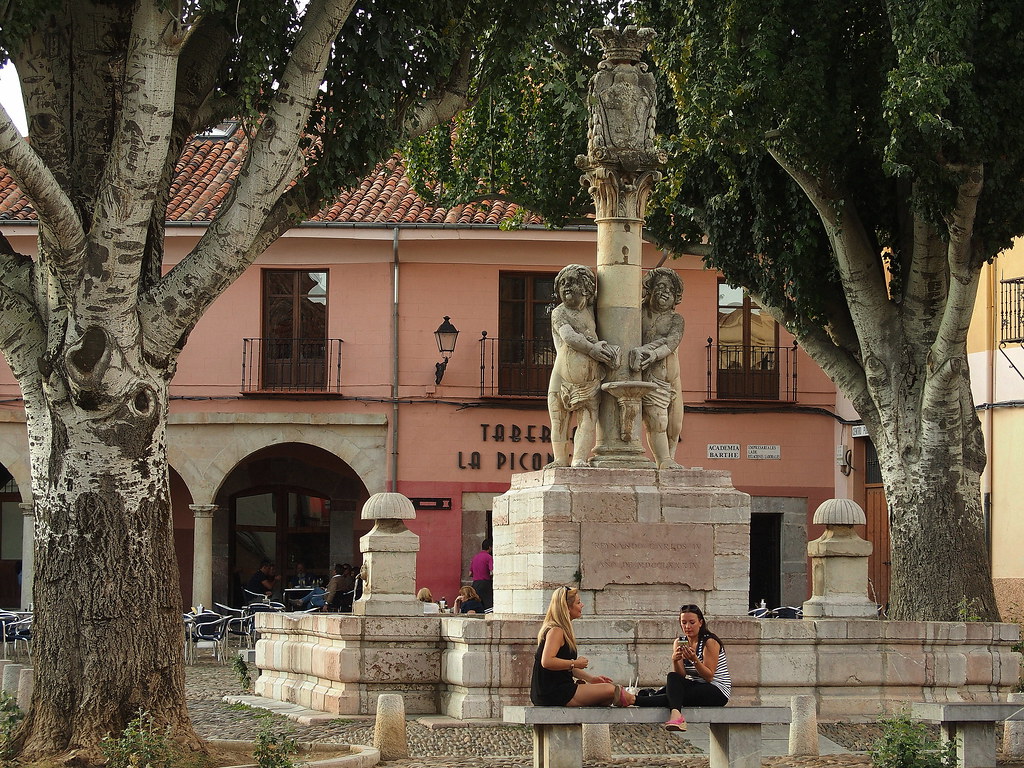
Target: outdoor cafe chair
point(254, 608)
point(237, 624)
point(6, 618)
point(18, 631)
point(254, 597)
point(206, 629)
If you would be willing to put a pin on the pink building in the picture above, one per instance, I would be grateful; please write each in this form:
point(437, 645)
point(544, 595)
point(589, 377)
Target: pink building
point(311, 384)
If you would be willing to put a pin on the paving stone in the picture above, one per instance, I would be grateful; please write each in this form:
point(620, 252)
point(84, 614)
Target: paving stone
point(438, 742)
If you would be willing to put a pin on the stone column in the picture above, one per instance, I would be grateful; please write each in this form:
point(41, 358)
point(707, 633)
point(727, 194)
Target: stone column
point(202, 554)
point(620, 170)
point(389, 559)
point(28, 552)
point(839, 564)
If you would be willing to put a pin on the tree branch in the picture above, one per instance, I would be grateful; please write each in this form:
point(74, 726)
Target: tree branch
point(229, 244)
point(58, 220)
point(197, 78)
point(134, 169)
point(22, 336)
point(588, 63)
point(951, 339)
point(859, 267)
point(46, 93)
point(451, 98)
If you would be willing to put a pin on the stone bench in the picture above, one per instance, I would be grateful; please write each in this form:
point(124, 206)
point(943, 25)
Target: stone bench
point(971, 725)
point(558, 731)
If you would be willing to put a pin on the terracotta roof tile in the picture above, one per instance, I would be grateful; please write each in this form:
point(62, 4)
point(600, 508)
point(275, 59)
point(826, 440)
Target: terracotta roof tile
point(208, 167)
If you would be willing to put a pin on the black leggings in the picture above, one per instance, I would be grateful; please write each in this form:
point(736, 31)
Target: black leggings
point(680, 693)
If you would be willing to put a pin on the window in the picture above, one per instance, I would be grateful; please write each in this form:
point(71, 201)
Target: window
point(294, 329)
point(285, 526)
point(526, 353)
point(748, 347)
point(1011, 311)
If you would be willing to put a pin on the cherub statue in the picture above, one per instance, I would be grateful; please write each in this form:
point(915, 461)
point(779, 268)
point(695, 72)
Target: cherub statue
point(658, 362)
point(581, 363)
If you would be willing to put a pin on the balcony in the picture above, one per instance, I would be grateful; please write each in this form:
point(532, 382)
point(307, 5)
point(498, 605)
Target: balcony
point(1011, 311)
point(291, 366)
point(520, 368)
point(515, 368)
point(751, 372)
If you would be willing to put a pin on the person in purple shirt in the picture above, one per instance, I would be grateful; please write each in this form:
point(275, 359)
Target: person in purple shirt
point(481, 571)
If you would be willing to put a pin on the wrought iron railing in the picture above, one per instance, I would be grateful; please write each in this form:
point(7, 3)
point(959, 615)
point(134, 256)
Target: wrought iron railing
point(291, 365)
point(1011, 311)
point(515, 367)
point(751, 372)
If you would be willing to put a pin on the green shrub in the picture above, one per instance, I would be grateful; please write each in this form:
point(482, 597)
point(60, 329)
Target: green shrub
point(274, 750)
point(907, 744)
point(968, 610)
point(10, 716)
point(241, 670)
point(141, 745)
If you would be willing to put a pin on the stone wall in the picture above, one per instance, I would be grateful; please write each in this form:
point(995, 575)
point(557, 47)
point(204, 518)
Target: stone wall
point(471, 667)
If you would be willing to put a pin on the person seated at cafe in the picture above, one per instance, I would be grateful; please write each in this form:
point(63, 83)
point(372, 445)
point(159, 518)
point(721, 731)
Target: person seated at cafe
point(468, 601)
point(301, 578)
point(317, 598)
point(339, 588)
point(429, 606)
point(262, 582)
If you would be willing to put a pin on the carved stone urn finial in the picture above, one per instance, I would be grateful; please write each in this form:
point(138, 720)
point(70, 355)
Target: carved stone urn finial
point(628, 45)
point(623, 102)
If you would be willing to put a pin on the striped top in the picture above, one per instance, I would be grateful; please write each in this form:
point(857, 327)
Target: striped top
point(722, 681)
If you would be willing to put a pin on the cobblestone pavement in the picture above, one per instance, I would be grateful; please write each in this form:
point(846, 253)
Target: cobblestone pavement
point(466, 745)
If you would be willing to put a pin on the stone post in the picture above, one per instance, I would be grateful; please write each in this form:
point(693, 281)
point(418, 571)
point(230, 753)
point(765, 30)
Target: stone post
point(11, 678)
point(620, 170)
point(839, 564)
point(803, 726)
point(597, 742)
point(28, 550)
point(389, 734)
point(26, 686)
point(1013, 730)
point(389, 559)
point(202, 554)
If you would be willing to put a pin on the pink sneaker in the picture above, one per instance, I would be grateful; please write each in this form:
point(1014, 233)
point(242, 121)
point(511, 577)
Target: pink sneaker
point(677, 724)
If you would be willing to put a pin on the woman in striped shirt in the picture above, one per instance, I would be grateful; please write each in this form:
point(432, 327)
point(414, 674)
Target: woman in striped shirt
point(700, 671)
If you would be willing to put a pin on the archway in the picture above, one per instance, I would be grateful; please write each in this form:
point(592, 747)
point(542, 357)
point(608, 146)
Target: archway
point(290, 503)
point(11, 541)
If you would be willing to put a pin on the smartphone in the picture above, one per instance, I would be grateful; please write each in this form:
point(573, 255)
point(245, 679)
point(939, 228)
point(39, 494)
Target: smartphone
point(683, 640)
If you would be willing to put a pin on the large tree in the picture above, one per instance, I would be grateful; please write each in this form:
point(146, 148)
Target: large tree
point(853, 166)
point(113, 89)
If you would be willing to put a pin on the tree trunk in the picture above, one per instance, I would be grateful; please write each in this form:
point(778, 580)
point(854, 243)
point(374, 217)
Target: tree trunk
point(936, 521)
point(106, 572)
point(932, 476)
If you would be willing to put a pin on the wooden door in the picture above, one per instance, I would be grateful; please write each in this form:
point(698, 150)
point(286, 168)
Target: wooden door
point(877, 511)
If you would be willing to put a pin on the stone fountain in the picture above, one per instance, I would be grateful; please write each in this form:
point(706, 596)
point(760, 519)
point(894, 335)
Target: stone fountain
point(639, 537)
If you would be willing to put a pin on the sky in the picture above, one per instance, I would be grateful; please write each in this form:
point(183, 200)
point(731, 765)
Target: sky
point(10, 97)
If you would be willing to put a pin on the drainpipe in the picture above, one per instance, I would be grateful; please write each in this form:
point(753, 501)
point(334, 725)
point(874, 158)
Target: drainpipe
point(392, 484)
point(994, 326)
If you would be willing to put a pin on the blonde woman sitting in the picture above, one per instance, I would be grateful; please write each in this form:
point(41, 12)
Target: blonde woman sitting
point(429, 606)
point(557, 667)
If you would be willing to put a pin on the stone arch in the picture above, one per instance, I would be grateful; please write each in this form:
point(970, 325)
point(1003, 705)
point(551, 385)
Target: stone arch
point(14, 456)
point(206, 454)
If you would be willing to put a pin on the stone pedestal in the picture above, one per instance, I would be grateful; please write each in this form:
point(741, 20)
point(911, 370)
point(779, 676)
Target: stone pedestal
point(636, 540)
point(839, 564)
point(389, 558)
